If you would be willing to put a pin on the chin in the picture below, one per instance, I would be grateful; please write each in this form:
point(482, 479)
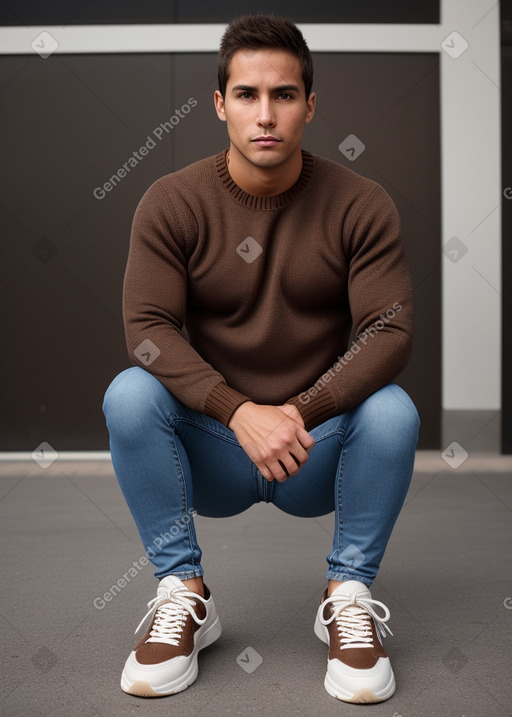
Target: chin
point(267, 159)
point(268, 162)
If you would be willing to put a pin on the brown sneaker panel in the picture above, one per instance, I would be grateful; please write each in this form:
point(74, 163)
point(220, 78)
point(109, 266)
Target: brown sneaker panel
point(360, 658)
point(152, 653)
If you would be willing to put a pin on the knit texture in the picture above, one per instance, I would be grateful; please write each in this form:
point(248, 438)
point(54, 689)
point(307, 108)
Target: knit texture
point(304, 297)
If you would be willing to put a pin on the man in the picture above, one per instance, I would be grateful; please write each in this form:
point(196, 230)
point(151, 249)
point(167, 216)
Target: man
point(270, 256)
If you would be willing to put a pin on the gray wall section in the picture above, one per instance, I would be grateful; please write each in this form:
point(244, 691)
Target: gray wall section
point(71, 121)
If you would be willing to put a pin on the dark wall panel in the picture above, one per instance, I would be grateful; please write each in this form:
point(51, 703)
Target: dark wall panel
point(76, 12)
point(73, 121)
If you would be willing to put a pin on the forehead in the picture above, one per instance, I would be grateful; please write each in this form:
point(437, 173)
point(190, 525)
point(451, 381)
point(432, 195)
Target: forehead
point(264, 68)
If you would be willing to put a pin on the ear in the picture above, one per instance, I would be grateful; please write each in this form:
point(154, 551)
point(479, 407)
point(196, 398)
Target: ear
point(310, 107)
point(218, 100)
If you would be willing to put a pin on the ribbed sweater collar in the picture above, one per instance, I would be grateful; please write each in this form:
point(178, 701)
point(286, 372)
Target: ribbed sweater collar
point(275, 202)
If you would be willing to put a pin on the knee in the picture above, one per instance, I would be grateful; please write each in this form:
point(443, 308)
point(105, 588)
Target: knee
point(130, 399)
point(391, 413)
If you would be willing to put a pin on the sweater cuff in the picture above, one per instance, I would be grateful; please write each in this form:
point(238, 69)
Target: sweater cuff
point(222, 402)
point(315, 409)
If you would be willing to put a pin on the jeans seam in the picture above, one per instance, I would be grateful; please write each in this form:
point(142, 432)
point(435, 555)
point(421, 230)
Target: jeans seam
point(338, 526)
point(338, 532)
point(341, 577)
point(265, 488)
point(185, 574)
point(181, 477)
point(173, 419)
point(332, 432)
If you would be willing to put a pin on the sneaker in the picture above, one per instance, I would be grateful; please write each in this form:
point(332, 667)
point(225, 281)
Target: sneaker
point(165, 660)
point(358, 668)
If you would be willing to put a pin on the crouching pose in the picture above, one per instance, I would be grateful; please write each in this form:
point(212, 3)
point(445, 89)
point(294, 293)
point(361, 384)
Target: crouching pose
point(288, 272)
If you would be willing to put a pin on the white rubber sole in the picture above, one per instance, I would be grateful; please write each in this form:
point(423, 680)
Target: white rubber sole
point(364, 695)
point(143, 688)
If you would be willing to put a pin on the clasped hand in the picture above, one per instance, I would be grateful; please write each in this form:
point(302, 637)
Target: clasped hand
point(273, 437)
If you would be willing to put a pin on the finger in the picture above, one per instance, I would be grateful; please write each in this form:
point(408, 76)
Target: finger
point(298, 463)
point(305, 439)
point(299, 454)
point(266, 473)
point(298, 451)
point(283, 467)
point(290, 465)
point(290, 409)
point(252, 451)
point(292, 412)
point(278, 471)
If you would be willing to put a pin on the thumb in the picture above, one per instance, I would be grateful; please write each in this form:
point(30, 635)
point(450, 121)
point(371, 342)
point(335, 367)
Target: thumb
point(292, 412)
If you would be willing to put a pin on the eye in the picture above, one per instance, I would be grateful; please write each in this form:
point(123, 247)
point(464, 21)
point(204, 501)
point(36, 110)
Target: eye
point(245, 95)
point(284, 96)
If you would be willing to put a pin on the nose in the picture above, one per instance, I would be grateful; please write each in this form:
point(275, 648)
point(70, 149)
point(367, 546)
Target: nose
point(265, 113)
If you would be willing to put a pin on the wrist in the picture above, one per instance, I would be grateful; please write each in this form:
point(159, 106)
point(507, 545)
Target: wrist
point(237, 413)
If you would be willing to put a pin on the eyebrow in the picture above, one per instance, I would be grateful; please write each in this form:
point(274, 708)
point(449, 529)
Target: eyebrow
point(280, 88)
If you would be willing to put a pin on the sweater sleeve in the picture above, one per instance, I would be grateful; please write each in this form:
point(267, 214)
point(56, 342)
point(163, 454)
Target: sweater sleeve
point(381, 304)
point(154, 306)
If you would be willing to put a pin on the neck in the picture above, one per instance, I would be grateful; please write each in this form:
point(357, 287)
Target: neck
point(263, 181)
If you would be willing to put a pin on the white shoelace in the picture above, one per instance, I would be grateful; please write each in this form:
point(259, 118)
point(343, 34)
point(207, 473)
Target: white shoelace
point(171, 610)
point(353, 619)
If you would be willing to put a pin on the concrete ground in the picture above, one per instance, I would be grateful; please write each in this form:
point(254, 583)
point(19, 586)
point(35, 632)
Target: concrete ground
point(67, 537)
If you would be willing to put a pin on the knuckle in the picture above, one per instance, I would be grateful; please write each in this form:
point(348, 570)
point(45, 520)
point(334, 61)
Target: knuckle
point(256, 455)
point(287, 436)
point(266, 455)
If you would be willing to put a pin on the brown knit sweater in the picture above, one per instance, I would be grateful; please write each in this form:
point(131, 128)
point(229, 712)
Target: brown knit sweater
point(269, 289)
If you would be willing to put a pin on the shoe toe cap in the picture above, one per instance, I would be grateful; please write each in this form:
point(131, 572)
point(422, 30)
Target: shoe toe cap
point(157, 675)
point(378, 680)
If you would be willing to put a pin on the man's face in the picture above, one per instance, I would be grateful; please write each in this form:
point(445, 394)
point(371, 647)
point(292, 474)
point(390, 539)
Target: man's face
point(265, 106)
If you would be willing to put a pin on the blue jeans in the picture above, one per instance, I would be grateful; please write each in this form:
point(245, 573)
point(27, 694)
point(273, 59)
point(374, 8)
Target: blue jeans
point(172, 462)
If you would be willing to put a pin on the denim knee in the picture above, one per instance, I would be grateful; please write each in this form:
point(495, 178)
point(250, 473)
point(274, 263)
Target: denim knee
point(391, 414)
point(130, 401)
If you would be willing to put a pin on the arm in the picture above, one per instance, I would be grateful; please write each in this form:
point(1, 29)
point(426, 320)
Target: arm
point(154, 305)
point(381, 303)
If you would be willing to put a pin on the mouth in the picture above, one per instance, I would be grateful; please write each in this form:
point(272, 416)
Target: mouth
point(266, 140)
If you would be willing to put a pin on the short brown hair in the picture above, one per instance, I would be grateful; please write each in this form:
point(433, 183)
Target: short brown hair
point(263, 31)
